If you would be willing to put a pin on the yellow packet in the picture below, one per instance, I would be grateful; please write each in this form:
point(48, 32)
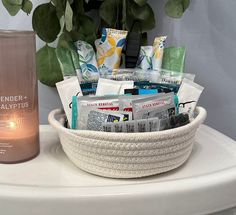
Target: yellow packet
point(158, 50)
point(109, 49)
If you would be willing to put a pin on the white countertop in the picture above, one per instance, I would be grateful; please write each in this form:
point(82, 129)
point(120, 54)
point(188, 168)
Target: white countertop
point(51, 183)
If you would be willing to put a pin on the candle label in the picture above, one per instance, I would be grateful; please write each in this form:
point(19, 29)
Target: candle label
point(13, 102)
point(4, 147)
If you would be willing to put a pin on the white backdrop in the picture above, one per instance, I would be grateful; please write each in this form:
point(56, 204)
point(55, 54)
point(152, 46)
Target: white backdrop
point(208, 29)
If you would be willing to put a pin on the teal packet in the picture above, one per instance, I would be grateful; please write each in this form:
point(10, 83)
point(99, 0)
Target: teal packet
point(68, 61)
point(162, 88)
point(174, 59)
point(89, 88)
point(74, 113)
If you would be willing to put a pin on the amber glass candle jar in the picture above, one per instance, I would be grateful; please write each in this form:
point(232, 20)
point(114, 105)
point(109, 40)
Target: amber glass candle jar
point(19, 123)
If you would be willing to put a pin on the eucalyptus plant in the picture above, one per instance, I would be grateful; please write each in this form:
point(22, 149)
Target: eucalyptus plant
point(67, 21)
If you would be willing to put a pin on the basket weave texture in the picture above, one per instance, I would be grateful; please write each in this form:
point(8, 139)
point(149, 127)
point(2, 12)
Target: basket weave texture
point(127, 155)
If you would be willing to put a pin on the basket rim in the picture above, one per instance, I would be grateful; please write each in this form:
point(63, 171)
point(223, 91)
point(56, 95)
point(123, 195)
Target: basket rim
point(201, 115)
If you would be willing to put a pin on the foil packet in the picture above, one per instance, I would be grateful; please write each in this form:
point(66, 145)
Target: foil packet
point(97, 117)
point(85, 104)
point(160, 105)
point(134, 126)
point(125, 101)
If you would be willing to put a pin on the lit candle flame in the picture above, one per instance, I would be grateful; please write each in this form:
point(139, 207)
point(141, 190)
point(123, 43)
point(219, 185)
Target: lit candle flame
point(8, 124)
point(12, 125)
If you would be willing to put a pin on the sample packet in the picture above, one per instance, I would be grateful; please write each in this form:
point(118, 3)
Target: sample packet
point(142, 125)
point(189, 94)
point(88, 71)
point(67, 89)
point(109, 49)
point(174, 121)
point(111, 87)
point(160, 105)
point(125, 101)
point(162, 76)
point(140, 91)
point(97, 117)
point(161, 88)
point(172, 77)
point(174, 59)
point(89, 88)
point(86, 104)
point(158, 49)
point(145, 58)
point(122, 74)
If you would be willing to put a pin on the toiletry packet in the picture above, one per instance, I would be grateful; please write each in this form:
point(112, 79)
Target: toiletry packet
point(97, 117)
point(122, 74)
point(141, 125)
point(67, 89)
point(140, 91)
point(89, 103)
point(161, 88)
point(160, 105)
point(87, 61)
point(125, 101)
point(145, 58)
point(107, 87)
point(172, 77)
point(111, 87)
point(109, 49)
point(189, 94)
point(174, 59)
point(158, 49)
point(162, 76)
point(147, 75)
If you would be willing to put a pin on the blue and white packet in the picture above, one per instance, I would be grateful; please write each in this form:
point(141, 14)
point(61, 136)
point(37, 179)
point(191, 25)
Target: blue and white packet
point(88, 71)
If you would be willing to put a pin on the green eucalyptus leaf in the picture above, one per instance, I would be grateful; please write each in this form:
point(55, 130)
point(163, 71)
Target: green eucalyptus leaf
point(15, 2)
point(140, 13)
point(13, 7)
point(186, 4)
point(54, 2)
point(46, 23)
point(143, 14)
point(84, 30)
point(60, 7)
point(48, 68)
point(140, 2)
point(176, 8)
point(108, 11)
point(66, 61)
point(68, 17)
point(64, 40)
point(27, 6)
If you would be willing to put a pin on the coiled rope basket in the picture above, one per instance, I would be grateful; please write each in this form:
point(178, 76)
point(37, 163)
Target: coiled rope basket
point(127, 155)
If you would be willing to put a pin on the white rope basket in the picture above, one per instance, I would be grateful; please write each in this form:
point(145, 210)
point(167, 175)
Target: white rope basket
point(127, 155)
